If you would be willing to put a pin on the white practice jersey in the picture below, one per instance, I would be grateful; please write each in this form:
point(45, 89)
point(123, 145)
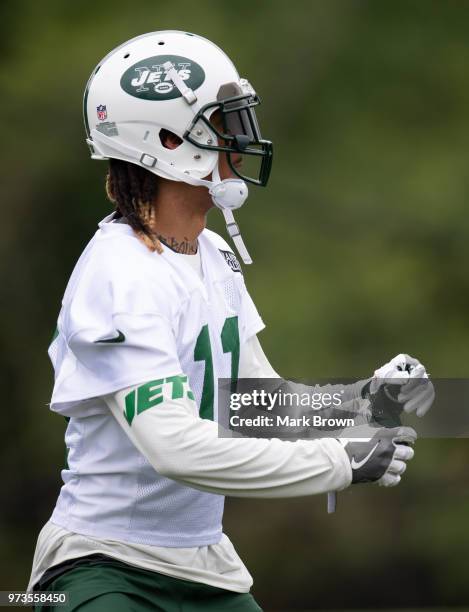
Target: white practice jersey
point(130, 316)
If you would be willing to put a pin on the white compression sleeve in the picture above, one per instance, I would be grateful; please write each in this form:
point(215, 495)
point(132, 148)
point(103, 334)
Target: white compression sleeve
point(182, 446)
point(252, 361)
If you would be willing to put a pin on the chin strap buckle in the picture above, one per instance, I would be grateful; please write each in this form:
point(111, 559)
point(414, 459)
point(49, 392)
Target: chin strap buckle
point(233, 230)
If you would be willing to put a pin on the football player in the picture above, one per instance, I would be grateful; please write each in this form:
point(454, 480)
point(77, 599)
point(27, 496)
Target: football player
point(155, 312)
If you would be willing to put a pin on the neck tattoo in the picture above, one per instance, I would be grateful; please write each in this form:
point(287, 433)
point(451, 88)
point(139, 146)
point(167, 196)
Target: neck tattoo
point(185, 246)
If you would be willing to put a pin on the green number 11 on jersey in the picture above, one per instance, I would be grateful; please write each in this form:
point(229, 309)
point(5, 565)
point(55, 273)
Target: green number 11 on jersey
point(203, 352)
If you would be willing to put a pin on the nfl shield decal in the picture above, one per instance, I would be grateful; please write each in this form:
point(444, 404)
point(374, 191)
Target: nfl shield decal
point(231, 260)
point(101, 112)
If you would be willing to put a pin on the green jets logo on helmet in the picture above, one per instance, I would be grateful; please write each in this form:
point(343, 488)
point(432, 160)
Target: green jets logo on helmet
point(149, 80)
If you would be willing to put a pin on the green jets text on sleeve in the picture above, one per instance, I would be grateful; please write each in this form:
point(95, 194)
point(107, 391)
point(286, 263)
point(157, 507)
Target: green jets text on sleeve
point(151, 394)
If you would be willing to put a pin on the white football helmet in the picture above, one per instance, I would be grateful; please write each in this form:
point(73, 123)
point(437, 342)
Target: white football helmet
point(175, 81)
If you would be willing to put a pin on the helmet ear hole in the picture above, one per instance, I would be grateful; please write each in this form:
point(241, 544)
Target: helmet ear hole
point(169, 140)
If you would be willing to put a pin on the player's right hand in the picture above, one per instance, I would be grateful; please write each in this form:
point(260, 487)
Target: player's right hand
point(381, 458)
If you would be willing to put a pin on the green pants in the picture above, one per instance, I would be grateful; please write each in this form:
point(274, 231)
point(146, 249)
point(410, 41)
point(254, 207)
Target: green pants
point(117, 587)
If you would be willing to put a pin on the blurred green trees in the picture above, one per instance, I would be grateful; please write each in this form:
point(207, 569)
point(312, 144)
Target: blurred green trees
point(360, 243)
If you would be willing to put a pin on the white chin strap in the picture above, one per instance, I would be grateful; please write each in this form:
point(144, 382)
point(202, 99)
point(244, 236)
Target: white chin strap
point(233, 230)
point(227, 194)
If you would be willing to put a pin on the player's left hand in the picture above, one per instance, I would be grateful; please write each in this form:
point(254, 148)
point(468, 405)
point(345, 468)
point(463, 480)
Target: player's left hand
point(405, 382)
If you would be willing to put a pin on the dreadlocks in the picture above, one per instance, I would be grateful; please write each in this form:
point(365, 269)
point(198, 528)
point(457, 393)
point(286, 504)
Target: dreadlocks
point(132, 190)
